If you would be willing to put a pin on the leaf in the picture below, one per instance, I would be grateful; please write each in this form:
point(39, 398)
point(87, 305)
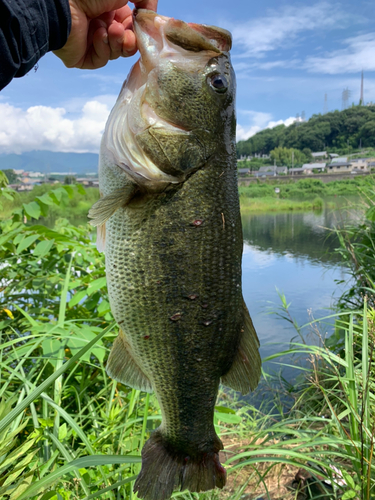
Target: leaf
point(370, 214)
point(6, 421)
point(228, 418)
point(75, 343)
point(43, 247)
point(8, 313)
point(348, 494)
point(32, 209)
point(81, 189)
point(26, 242)
point(46, 199)
point(91, 461)
point(63, 431)
point(96, 285)
point(69, 190)
point(77, 297)
point(51, 348)
point(224, 409)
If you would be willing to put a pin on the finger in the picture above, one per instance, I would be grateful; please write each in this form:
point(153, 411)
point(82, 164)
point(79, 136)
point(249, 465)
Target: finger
point(129, 46)
point(146, 4)
point(123, 14)
point(99, 53)
point(116, 33)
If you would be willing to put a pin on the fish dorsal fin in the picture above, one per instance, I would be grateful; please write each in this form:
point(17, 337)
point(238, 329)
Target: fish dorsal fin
point(245, 371)
point(104, 208)
point(122, 366)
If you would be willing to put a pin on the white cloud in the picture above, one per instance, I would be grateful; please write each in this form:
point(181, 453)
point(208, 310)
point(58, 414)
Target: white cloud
point(280, 28)
point(358, 55)
point(47, 128)
point(258, 122)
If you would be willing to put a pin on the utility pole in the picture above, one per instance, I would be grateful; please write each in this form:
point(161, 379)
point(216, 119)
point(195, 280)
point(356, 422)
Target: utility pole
point(361, 100)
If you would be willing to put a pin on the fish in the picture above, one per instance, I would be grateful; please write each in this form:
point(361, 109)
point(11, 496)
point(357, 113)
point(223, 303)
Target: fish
point(169, 224)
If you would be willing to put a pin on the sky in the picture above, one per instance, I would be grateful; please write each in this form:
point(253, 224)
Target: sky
point(287, 56)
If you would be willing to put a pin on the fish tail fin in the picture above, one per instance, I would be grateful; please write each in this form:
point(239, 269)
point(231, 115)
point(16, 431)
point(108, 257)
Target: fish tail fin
point(165, 470)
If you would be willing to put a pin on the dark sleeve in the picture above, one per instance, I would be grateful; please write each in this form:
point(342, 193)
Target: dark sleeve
point(29, 29)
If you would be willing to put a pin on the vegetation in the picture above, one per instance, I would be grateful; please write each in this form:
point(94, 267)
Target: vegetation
point(305, 194)
point(68, 432)
point(337, 131)
point(290, 157)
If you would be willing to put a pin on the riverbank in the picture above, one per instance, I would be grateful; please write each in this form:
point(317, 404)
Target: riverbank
point(268, 204)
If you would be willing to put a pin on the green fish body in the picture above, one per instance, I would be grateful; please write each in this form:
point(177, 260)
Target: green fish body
point(169, 223)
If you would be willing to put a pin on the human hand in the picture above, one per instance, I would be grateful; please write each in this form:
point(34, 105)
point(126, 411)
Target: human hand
point(101, 30)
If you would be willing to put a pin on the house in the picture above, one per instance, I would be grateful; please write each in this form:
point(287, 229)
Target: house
point(321, 154)
point(362, 163)
point(314, 166)
point(269, 173)
point(333, 155)
point(88, 182)
point(340, 167)
point(340, 159)
point(273, 168)
point(299, 171)
point(243, 171)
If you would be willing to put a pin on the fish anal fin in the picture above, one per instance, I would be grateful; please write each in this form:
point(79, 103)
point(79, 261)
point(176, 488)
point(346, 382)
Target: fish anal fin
point(245, 371)
point(105, 207)
point(122, 366)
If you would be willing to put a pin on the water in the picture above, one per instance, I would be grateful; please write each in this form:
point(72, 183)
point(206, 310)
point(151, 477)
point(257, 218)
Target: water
point(294, 253)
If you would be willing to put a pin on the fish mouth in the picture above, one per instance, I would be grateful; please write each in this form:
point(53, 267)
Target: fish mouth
point(160, 37)
point(160, 40)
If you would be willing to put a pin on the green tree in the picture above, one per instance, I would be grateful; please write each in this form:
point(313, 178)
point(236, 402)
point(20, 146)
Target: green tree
point(11, 175)
point(287, 157)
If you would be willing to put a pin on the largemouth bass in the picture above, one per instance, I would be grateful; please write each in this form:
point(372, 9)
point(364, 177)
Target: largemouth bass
point(169, 223)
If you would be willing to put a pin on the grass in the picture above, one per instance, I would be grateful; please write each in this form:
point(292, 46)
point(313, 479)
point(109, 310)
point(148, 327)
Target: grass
point(68, 432)
point(267, 204)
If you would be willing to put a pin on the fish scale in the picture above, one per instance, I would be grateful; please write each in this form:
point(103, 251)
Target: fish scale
point(171, 231)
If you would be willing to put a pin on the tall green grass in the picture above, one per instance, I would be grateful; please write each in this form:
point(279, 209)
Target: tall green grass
point(67, 431)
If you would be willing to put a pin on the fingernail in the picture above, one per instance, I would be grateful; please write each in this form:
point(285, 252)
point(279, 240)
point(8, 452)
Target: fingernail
point(105, 38)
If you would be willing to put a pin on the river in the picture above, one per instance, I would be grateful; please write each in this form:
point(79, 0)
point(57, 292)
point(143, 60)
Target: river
point(291, 252)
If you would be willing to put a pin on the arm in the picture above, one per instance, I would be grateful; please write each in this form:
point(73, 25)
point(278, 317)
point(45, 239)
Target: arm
point(83, 33)
point(29, 29)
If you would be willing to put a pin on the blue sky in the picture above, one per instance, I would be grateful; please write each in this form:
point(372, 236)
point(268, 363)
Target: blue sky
point(287, 56)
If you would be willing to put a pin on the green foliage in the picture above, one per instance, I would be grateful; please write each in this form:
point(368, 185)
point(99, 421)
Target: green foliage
point(288, 157)
point(357, 250)
point(11, 175)
point(68, 431)
point(333, 130)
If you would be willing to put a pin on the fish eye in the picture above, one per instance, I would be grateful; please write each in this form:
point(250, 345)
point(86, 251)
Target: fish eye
point(219, 83)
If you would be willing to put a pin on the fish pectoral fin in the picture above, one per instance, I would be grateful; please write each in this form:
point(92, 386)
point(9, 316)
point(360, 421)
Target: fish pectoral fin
point(122, 366)
point(104, 208)
point(245, 371)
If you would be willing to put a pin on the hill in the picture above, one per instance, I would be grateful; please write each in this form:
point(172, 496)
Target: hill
point(334, 131)
point(48, 161)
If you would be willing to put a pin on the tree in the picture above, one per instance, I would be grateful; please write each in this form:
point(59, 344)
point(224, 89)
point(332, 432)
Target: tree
point(11, 175)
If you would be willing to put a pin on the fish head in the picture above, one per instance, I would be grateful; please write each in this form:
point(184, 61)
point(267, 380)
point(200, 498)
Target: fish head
point(176, 109)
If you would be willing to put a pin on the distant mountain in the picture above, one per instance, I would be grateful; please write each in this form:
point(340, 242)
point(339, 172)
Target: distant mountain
point(354, 127)
point(48, 161)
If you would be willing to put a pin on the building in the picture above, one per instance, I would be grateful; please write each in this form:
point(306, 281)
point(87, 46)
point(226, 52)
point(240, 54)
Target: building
point(273, 168)
point(340, 159)
point(362, 163)
point(340, 167)
point(243, 171)
point(314, 166)
point(333, 155)
point(320, 154)
point(299, 171)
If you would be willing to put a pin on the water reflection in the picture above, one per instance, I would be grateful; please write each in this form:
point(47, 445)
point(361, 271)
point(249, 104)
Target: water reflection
point(290, 252)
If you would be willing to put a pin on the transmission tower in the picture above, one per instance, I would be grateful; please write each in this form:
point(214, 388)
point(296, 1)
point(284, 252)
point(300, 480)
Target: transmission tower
point(303, 116)
point(346, 93)
point(361, 100)
point(325, 109)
